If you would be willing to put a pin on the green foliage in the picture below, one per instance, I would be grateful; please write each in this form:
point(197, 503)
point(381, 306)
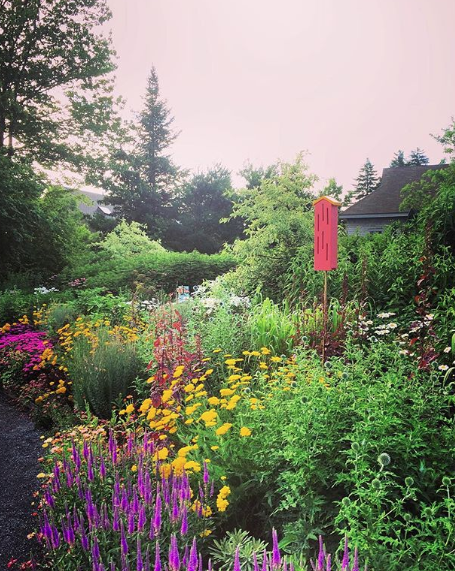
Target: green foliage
point(48, 45)
point(223, 551)
point(319, 443)
point(272, 326)
point(416, 158)
point(153, 273)
point(129, 239)
point(278, 220)
point(103, 372)
point(60, 314)
point(203, 201)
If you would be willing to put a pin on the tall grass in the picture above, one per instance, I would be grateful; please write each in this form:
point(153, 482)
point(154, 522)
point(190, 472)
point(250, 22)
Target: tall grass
point(102, 371)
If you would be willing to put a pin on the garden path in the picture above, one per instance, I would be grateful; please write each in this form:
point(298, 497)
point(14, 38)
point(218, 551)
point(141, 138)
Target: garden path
point(20, 448)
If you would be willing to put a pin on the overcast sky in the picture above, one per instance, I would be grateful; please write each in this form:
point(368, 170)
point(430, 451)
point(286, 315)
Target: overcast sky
point(261, 80)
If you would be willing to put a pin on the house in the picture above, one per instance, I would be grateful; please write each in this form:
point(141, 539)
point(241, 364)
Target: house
point(95, 206)
point(382, 207)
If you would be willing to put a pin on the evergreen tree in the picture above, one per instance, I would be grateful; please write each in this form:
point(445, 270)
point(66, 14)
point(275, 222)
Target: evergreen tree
point(206, 199)
point(366, 182)
point(143, 177)
point(418, 158)
point(398, 160)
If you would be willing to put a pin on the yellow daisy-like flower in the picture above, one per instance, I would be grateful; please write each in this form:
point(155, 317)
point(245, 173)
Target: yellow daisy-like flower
point(41, 475)
point(265, 351)
point(134, 468)
point(129, 409)
point(213, 401)
point(226, 392)
point(214, 447)
point(223, 429)
point(244, 431)
point(276, 359)
point(217, 350)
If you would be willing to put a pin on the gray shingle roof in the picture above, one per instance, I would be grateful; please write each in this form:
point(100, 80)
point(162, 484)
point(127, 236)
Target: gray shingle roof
point(386, 199)
point(93, 207)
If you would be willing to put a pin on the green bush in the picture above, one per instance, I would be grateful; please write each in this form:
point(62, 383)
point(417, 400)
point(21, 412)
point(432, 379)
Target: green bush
point(153, 273)
point(102, 372)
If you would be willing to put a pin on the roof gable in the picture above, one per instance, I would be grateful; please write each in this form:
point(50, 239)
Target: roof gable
point(386, 199)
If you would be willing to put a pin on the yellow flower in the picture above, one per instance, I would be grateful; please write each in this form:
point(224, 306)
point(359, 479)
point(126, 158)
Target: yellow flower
point(217, 350)
point(214, 447)
point(165, 470)
point(223, 429)
point(130, 408)
point(244, 431)
point(231, 362)
point(61, 390)
point(38, 400)
point(150, 380)
point(226, 392)
point(208, 372)
point(276, 359)
point(166, 395)
point(161, 454)
point(152, 413)
point(205, 533)
point(145, 405)
point(189, 388)
point(265, 351)
point(134, 468)
point(209, 417)
point(41, 475)
point(255, 353)
point(178, 464)
point(192, 465)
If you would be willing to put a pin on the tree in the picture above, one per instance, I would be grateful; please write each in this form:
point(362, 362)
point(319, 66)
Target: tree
point(398, 160)
point(367, 181)
point(279, 220)
point(46, 48)
point(418, 158)
point(255, 175)
point(128, 240)
point(205, 200)
point(142, 178)
point(333, 189)
point(447, 139)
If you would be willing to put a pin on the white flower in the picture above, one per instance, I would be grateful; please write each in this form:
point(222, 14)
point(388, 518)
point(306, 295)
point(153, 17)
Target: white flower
point(443, 367)
point(392, 325)
point(383, 315)
point(447, 349)
point(404, 352)
point(369, 322)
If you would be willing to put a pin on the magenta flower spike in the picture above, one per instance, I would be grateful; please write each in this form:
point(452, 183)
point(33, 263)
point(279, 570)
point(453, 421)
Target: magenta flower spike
point(328, 563)
point(139, 561)
point(184, 525)
point(321, 555)
point(255, 562)
point(355, 566)
point(206, 474)
point(174, 558)
point(276, 557)
point(123, 541)
point(157, 515)
point(193, 559)
point(264, 561)
point(157, 557)
point(237, 559)
point(345, 561)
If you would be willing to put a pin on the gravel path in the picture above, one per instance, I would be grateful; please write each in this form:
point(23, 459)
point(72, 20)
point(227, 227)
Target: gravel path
point(20, 448)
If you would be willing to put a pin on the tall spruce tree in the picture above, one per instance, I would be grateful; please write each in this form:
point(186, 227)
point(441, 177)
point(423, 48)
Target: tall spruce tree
point(418, 158)
point(144, 176)
point(366, 182)
point(398, 160)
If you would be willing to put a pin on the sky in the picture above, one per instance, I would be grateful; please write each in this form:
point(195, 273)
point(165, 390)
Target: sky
point(261, 80)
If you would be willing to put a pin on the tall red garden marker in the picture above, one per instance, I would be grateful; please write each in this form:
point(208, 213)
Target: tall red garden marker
point(325, 246)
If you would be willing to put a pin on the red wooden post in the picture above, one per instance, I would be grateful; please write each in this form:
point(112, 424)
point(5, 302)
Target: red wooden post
point(326, 233)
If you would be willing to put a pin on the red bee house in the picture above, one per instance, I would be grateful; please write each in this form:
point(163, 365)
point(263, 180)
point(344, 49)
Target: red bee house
point(325, 233)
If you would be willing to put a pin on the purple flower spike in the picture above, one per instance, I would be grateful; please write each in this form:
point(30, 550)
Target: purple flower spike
point(123, 540)
point(206, 474)
point(321, 555)
point(237, 559)
point(276, 557)
point(345, 561)
point(184, 526)
point(174, 559)
point(255, 562)
point(157, 557)
point(355, 566)
point(139, 562)
point(157, 515)
point(264, 561)
point(193, 560)
point(95, 550)
point(328, 563)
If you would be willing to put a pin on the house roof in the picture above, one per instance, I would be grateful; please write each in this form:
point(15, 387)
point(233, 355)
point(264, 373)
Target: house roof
point(95, 206)
point(386, 199)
